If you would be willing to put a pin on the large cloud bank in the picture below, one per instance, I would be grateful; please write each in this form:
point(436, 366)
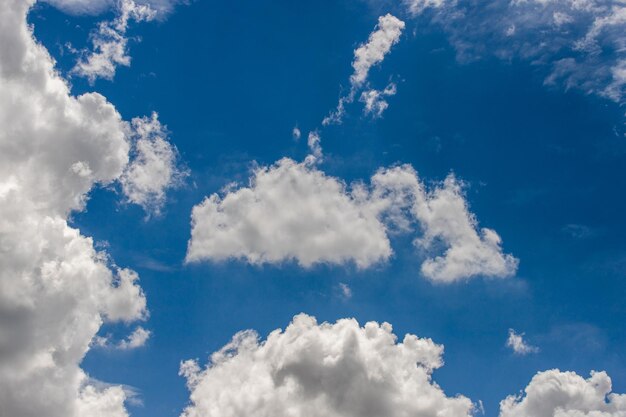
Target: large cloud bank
point(322, 370)
point(294, 211)
point(56, 290)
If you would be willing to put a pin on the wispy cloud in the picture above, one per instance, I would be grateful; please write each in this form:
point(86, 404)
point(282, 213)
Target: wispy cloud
point(578, 44)
point(519, 346)
point(367, 55)
point(110, 43)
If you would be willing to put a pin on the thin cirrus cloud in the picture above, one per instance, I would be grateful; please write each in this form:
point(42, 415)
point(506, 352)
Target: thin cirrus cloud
point(95, 7)
point(329, 370)
point(292, 211)
point(56, 289)
point(367, 55)
point(579, 44)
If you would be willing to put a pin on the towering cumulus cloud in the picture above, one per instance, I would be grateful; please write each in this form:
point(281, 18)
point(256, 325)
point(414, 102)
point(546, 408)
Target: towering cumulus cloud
point(565, 394)
point(56, 290)
point(322, 370)
point(293, 211)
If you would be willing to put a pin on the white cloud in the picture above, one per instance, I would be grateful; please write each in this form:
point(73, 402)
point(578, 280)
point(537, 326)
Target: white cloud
point(293, 211)
point(110, 44)
point(56, 289)
point(374, 100)
point(345, 290)
point(290, 211)
point(417, 7)
point(378, 45)
point(367, 55)
point(91, 7)
point(517, 343)
point(322, 370)
point(565, 394)
point(444, 219)
point(295, 133)
point(579, 43)
point(154, 169)
point(136, 339)
point(314, 144)
point(94, 7)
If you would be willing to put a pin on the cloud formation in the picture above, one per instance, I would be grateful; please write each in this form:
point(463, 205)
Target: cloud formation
point(295, 133)
point(56, 289)
point(367, 55)
point(290, 211)
point(110, 44)
point(136, 339)
point(95, 7)
point(81, 7)
point(579, 43)
point(517, 343)
point(322, 370)
point(294, 211)
point(375, 102)
point(155, 167)
point(565, 394)
point(416, 7)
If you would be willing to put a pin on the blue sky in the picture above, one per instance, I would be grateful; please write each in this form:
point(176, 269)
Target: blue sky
point(542, 164)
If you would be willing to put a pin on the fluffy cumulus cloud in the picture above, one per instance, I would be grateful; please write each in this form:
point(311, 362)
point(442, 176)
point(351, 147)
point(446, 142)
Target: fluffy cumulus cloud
point(322, 370)
point(565, 394)
point(290, 211)
point(367, 55)
point(110, 44)
point(294, 211)
point(56, 290)
point(154, 168)
point(578, 43)
point(516, 342)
